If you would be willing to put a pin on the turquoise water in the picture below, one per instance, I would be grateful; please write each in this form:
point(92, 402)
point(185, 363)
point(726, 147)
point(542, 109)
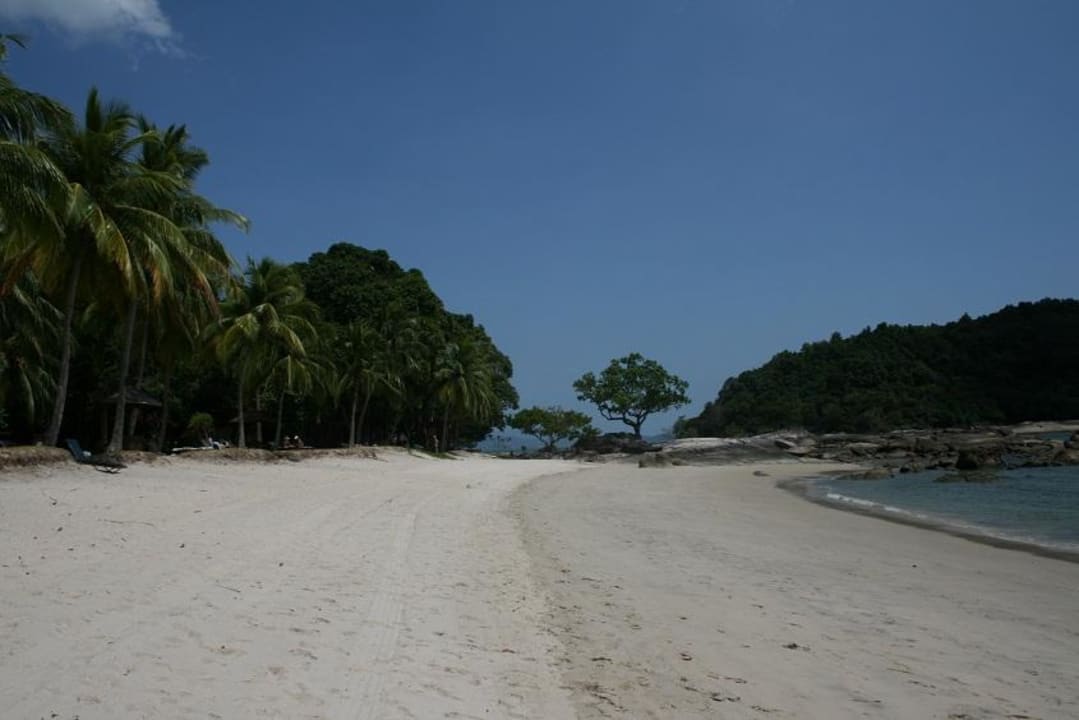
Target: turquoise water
point(1032, 505)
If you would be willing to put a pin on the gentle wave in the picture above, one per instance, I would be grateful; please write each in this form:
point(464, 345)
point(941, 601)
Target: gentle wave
point(869, 504)
point(1050, 493)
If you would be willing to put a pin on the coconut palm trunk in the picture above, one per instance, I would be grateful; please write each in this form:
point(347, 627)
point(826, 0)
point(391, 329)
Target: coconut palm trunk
point(241, 437)
point(258, 418)
point(166, 395)
point(116, 443)
point(352, 418)
point(280, 416)
point(140, 375)
point(53, 434)
point(445, 429)
point(363, 411)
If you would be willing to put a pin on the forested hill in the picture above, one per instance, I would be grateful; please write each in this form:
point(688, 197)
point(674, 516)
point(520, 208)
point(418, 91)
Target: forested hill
point(1020, 363)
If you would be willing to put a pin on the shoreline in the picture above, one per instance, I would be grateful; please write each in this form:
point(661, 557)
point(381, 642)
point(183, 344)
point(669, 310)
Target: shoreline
point(413, 587)
point(799, 487)
point(687, 591)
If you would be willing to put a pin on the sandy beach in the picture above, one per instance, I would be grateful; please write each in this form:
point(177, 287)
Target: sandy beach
point(409, 587)
point(709, 592)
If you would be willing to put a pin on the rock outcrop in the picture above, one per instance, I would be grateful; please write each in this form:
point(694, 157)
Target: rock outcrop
point(902, 451)
point(609, 443)
point(916, 450)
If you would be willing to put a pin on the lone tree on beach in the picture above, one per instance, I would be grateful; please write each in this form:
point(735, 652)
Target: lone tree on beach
point(632, 388)
point(549, 425)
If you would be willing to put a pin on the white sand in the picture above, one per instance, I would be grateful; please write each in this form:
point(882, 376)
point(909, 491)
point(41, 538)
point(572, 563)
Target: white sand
point(416, 588)
point(336, 588)
point(890, 621)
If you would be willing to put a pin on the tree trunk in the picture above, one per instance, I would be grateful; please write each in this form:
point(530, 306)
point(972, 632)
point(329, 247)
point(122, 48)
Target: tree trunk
point(280, 414)
point(102, 426)
point(352, 418)
point(140, 375)
point(166, 394)
point(445, 429)
point(363, 411)
point(258, 418)
point(132, 422)
point(116, 444)
point(241, 436)
point(53, 433)
point(393, 429)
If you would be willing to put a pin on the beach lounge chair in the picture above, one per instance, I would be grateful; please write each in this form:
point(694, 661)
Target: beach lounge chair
point(104, 463)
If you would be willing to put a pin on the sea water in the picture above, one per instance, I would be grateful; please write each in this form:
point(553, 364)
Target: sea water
point(1032, 505)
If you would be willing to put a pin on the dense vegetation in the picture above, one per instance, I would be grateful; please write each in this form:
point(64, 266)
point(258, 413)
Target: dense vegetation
point(551, 425)
point(125, 323)
point(1017, 364)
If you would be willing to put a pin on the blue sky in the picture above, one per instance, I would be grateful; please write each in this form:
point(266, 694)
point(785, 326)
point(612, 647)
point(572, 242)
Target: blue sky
point(704, 182)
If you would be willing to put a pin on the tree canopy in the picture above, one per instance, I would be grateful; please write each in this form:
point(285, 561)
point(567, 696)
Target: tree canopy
point(632, 388)
point(551, 424)
point(1013, 365)
point(114, 290)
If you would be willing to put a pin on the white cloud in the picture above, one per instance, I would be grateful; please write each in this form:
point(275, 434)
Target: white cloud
point(97, 18)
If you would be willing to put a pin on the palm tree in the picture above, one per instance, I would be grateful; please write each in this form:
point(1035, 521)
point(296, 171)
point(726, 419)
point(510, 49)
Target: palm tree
point(23, 112)
point(110, 227)
point(34, 195)
point(369, 367)
point(177, 326)
point(264, 319)
point(184, 250)
point(29, 332)
point(330, 384)
point(33, 191)
point(412, 343)
point(292, 373)
point(465, 381)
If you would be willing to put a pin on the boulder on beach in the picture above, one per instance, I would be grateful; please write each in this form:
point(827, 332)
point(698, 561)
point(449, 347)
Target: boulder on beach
point(616, 443)
point(971, 459)
point(1067, 456)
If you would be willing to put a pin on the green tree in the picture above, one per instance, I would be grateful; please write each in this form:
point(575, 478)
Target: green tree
point(368, 367)
point(463, 375)
point(34, 196)
point(34, 193)
point(200, 426)
point(293, 373)
point(264, 319)
point(412, 383)
point(353, 283)
point(178, 329)
point(1013, 365)
point(108, 226)
point(682, 428)
point(29, 336)
point(632, 388)
point(175, 248)
point(552, 424)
